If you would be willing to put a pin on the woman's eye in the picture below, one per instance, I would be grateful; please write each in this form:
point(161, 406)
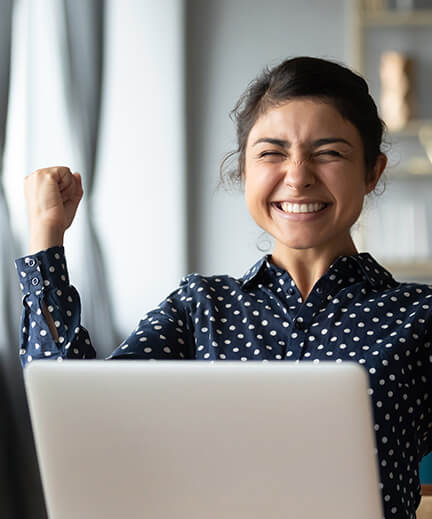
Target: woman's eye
point(270, 153)
point(332, 153)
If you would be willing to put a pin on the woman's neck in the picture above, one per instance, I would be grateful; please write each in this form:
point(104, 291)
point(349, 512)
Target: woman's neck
point(307, 266)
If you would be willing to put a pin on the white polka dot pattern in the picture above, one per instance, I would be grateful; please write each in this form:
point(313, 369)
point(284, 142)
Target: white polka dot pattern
point(47, 281)
point(355, 312)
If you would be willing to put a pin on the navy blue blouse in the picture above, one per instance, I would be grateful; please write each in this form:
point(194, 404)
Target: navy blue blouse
point(355, 312)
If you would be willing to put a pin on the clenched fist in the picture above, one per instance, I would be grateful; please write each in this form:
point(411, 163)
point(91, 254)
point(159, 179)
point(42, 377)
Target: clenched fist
point(53, 196)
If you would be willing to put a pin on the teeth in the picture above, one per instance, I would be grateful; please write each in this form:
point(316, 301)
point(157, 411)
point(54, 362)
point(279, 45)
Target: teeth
point(288, 207)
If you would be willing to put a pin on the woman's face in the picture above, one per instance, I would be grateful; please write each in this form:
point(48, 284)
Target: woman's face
point(305, 175)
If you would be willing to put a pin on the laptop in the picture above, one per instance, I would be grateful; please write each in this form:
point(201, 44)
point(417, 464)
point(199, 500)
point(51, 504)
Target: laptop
point(204, 440)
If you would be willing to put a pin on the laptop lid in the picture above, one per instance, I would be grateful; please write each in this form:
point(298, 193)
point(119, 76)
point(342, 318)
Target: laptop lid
point(194, 440)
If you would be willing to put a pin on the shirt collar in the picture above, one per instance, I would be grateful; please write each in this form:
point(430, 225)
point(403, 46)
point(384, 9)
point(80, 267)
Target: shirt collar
point(376, 274)
point(362, 264)
point(256, 270)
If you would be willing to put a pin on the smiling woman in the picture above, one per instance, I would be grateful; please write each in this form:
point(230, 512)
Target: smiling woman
point(309, 140)
point(308, 192)
point(309, 151)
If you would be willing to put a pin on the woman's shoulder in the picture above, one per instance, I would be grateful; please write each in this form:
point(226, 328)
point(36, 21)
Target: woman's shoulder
point(390, 281)
point(413, 299)
point(422, 289)
point(225, 281)
point(200, 282)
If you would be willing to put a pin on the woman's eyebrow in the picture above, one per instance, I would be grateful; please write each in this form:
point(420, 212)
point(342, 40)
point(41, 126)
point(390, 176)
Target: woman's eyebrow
point(330, 140)
point(314, 144)
point(276, 142)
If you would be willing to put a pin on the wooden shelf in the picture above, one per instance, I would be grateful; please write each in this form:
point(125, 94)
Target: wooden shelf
point(426, 490)
point(412, 129)
point(414, 17)
point(415, 168)
point(424, 511)
point(407, 174)
point(413, 269)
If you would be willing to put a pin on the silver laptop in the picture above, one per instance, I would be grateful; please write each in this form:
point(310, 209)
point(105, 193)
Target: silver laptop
point(202, 440)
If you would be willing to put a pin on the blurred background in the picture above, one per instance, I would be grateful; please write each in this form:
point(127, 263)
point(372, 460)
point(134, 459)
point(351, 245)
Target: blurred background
point(136, 95)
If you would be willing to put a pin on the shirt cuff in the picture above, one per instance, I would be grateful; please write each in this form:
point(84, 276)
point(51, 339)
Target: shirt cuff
point(46, 268)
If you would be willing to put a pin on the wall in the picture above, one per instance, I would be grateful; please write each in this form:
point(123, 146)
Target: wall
point(140, 188)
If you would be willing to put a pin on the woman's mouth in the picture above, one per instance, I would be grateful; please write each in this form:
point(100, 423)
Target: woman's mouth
point(291, 208)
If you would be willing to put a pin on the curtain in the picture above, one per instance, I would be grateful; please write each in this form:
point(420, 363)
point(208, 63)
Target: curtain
point(8, 297)
point(53, 119)
point(84, 23)
point(49, 27)
point(8, 293)
point(19, 477)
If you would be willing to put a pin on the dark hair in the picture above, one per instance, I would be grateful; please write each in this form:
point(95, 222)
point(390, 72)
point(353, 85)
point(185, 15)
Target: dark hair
point(307, 77)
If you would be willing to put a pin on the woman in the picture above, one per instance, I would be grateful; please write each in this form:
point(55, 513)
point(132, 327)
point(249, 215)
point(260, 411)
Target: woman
point(309, 151)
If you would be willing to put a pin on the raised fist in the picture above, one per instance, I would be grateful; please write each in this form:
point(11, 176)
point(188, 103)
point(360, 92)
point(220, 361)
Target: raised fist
point(53, 195)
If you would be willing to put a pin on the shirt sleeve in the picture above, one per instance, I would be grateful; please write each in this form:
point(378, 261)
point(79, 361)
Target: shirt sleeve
point(44, 279)
point(420, 369)
point(162, 334)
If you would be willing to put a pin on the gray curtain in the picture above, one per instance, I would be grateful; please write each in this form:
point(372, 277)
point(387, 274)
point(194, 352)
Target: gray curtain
point(20, 487)
point(21, 495)
point(7, 282)
point(84, 57)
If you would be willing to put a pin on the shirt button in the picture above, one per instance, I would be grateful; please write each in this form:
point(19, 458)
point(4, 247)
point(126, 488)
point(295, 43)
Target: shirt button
point(319, 290)
point(35, 281)
point(30, 262)
point(291, 291)
point(299, 324)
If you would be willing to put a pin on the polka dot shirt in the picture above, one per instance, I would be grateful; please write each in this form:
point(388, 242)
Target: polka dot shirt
point(355, 312)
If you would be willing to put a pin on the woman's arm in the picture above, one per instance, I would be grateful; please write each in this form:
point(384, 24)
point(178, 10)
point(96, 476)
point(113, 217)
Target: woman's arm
point(52, 195)
point(51, 319)
point(163, 333)
point(50, 303)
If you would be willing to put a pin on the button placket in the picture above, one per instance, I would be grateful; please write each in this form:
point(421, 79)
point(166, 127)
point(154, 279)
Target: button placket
point(304, 319)
point(299, 324)
point(32, 269)
point(30, 262)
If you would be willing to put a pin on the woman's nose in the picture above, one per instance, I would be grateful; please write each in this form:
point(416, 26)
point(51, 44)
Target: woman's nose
point(298, 174)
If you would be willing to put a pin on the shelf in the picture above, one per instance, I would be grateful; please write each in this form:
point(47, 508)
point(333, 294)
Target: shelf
point(410, 175)
point(412, 129)
point(413, 269)
point(414, 168)
point(426, 490)
point(417, 168)
point(422, 130)
point(415, 17)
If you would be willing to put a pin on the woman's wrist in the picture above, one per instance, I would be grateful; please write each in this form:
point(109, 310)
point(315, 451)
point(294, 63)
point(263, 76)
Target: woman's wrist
point(43, 239)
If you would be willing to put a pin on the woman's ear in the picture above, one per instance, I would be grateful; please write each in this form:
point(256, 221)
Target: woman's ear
point(378, 170)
